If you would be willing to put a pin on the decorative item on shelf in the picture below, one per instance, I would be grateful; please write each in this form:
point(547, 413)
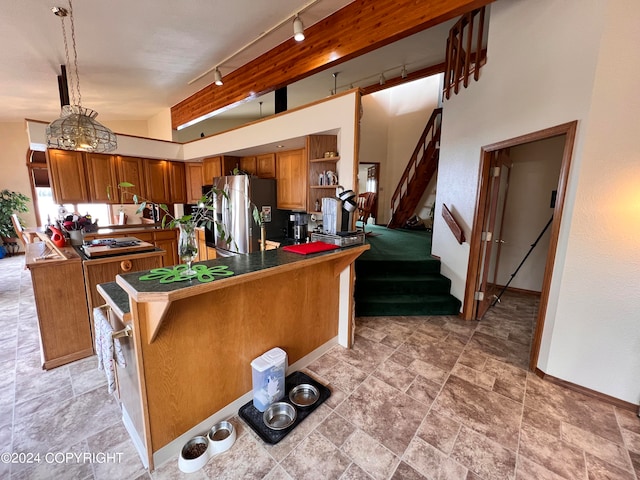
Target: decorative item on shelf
point(76, 129)
point(332, 178)
point(330, 154)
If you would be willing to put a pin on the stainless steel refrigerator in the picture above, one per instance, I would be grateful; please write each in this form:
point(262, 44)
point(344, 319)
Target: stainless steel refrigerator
point(235, 212)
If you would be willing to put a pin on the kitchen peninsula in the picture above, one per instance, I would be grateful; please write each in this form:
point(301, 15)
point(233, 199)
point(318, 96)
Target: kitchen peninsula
point(194, 341)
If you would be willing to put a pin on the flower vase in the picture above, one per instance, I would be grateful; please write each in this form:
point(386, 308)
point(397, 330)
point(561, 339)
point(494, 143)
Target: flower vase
point(187, 246)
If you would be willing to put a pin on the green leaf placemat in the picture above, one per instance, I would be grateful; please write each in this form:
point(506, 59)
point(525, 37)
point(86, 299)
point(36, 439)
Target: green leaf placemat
point(177, 274)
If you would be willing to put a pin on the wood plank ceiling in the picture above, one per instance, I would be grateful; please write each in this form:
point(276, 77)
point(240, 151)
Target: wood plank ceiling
point(358, 28)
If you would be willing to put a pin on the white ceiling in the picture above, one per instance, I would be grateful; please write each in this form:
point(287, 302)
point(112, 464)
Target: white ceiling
point(136, 57)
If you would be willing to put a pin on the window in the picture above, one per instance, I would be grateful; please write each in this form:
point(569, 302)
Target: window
point(49, 210)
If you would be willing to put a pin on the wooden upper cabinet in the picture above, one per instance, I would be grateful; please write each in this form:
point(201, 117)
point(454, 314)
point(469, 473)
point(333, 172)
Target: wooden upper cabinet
point(102, 178)
point(68, 176)
point(211, 168)
point(156, 175)
point(292, 177)
point(177, 183)
point(131, 169)
point(229, 163)
point(248, 164)
point(266, 165)
point(195, 181)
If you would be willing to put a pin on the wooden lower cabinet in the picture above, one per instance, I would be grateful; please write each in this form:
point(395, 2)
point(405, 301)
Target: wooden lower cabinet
point(103, 270)
point(63, 318)
point(167, 240)
point(204, 251)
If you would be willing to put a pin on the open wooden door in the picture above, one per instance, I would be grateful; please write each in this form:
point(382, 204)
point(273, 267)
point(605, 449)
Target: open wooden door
point(492, 230)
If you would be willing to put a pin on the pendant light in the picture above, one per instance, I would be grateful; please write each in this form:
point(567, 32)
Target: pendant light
point(77, 129)
point(298, 29)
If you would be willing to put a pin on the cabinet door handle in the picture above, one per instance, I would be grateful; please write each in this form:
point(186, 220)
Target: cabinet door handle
point(125, 265)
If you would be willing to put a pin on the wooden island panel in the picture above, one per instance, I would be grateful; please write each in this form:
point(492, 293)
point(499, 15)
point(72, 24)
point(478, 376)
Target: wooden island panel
point(194, 342)
point(200, 360)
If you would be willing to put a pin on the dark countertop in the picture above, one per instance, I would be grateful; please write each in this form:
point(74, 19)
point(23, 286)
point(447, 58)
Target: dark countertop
point(119, 298)
point(239, 264)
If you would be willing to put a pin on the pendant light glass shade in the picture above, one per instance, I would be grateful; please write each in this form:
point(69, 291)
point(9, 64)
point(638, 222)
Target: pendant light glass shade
point(77, 129)
point(298, 29)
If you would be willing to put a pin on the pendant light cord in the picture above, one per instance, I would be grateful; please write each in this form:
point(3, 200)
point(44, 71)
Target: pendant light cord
point(74, 71)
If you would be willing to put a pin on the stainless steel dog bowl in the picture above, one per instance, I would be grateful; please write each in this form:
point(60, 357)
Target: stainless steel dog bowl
point(304, 395)
point(279, 416)
point(222, 436)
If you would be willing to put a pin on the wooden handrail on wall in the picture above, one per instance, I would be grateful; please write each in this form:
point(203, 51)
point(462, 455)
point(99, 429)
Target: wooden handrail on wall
point(464, 54)
point(455, 227)
point(428, 143)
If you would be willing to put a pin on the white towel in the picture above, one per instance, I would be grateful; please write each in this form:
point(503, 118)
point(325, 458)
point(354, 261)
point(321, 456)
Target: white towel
point(108, 349)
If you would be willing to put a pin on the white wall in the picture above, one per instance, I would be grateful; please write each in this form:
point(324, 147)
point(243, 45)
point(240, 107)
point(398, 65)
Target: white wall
point(392, 123)
point(138, 128)
point(541, 73)
point(160, 125)
point(534, 175)
point(337, 114)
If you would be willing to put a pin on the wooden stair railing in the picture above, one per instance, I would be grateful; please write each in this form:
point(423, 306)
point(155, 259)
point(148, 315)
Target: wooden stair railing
point(465, 54)
point(418, 172)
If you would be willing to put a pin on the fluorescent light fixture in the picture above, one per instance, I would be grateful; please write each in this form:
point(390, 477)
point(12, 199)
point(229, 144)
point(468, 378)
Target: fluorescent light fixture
point(298, 29)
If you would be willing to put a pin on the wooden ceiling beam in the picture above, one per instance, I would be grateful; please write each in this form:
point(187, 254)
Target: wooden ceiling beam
point(358, 28)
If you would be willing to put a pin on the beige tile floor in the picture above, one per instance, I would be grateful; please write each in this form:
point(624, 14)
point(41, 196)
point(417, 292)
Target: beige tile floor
point(416, 398)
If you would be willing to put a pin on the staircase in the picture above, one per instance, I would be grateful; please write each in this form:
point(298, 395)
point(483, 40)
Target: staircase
point(418, 172)
point(398, 276)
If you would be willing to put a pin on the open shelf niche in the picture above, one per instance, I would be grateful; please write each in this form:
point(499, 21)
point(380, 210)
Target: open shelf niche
point(319, 164)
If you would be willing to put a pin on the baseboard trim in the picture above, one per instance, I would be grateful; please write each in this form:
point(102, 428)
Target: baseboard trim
point(616, 402)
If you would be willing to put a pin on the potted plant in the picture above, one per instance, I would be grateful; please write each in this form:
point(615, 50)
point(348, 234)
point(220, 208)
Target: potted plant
point(10, 203)
point(203, 216)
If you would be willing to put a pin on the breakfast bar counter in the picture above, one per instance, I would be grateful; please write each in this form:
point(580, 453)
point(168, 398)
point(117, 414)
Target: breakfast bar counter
point(194, 339)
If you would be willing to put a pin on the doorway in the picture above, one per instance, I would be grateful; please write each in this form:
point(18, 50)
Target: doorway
point(369, 181)
point(482, 262)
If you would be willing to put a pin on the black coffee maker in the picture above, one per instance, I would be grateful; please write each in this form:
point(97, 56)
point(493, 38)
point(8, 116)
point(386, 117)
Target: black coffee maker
point(298, 226)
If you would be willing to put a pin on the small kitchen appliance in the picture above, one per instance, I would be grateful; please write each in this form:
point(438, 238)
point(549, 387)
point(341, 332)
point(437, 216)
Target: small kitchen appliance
point(337, 213)
point(300, 226)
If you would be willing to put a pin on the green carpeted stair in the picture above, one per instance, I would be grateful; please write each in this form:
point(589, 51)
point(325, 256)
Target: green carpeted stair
point(398, 276)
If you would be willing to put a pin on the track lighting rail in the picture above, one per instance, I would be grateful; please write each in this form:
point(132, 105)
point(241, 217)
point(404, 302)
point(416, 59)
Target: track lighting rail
point(290, 17)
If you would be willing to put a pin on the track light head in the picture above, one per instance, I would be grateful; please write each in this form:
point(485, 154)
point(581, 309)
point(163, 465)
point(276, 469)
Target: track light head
point(382, 79)
point(217, 77)
point(298, 29)
point(403, 73)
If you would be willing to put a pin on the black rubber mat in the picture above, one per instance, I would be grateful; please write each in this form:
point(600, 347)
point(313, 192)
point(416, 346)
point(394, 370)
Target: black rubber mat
point(253, 416)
